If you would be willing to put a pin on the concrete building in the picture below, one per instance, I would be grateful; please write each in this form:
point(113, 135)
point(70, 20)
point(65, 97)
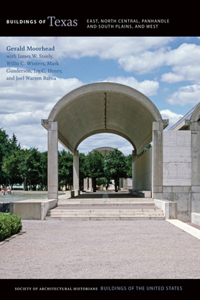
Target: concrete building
point(176, 158)
point(103, 150)
point(170, 169)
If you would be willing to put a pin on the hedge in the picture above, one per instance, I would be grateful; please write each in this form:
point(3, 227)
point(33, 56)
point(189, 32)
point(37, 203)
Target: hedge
point(9, 225)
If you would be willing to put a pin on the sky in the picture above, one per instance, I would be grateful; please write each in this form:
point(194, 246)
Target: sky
point(165, 69)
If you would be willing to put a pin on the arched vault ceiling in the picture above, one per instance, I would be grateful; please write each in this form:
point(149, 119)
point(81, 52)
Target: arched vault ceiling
point(104, 107)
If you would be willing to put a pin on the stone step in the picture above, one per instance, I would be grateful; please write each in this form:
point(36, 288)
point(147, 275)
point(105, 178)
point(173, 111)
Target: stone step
point(106, 213)
point(106, 208)
point(108, 218)
point(104, 201)
point(155, 210)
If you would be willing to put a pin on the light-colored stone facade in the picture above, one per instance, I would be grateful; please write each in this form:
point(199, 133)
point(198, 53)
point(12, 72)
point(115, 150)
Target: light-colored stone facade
point(180, 156)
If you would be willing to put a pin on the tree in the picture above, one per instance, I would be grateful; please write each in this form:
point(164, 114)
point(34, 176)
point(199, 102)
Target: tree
point(23, 165)
point(145, 149)
point(7, 147)
point(82, 169)
point(13, 145)
point(11, 167)
point(95, 166)
point(43, 170)
point(65, 168)
point(103, 181)
point(115, 166)
point(129, 165)
point(4, 142)
point(29, 167)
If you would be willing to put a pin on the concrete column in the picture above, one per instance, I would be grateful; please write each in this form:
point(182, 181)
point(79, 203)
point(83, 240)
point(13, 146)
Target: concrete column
point(121, 181)
point(85, 184)
point(157, 159)
point(195, 172)
point(76, 172)
point(52, 160)
point(90, 184)
point(134, 158)
point(195, 152)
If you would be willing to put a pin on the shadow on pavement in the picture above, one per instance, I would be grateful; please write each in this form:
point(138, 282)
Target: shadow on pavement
point(111, 194)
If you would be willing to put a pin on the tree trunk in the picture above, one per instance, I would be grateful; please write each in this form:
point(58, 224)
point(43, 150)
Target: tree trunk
point(116, 184)
point(25, 184)
point(94, 184)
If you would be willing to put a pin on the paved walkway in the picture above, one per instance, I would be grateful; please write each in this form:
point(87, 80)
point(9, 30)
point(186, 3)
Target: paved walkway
point(101, 249)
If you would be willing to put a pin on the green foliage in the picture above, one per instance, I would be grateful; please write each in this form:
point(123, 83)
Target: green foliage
point(115, 166)
point(3, 150)
point(129, 165)
point(16, 224)
point(7, 146)
point(23, 165)
point(145, 149)
point(82, 169)
point(65, 168)
point(95, 166)
point(9, 225)
point(11, 169)
point(43, 170)
point(103, 181)
point(18, 165)
point(29, 166)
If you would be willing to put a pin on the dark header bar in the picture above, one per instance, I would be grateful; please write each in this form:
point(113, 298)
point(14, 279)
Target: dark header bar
point(93, 25)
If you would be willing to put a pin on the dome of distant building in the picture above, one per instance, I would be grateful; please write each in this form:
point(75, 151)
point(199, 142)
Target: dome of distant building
point(104, 150)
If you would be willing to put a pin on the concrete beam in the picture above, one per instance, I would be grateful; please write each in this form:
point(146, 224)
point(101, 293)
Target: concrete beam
point(185, 124)
point(65, 143)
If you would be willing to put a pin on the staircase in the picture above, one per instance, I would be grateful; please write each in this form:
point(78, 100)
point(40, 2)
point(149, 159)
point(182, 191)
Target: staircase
point(106, 208)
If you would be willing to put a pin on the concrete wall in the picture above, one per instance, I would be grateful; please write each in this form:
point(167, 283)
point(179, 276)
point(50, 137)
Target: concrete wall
point(180, 168)
point(127, 183)
point(177, 158)
point(32, 209)
point(177, 170)
point(142, 172)
point(195, 153)
point(195, 218)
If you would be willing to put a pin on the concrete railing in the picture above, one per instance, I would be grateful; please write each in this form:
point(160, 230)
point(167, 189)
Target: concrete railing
point(168, 207)
point(32, 209)
point(195, 218)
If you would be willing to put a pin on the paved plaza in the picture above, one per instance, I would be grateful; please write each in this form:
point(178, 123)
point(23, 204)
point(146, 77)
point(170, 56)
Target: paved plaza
point(141, 249)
